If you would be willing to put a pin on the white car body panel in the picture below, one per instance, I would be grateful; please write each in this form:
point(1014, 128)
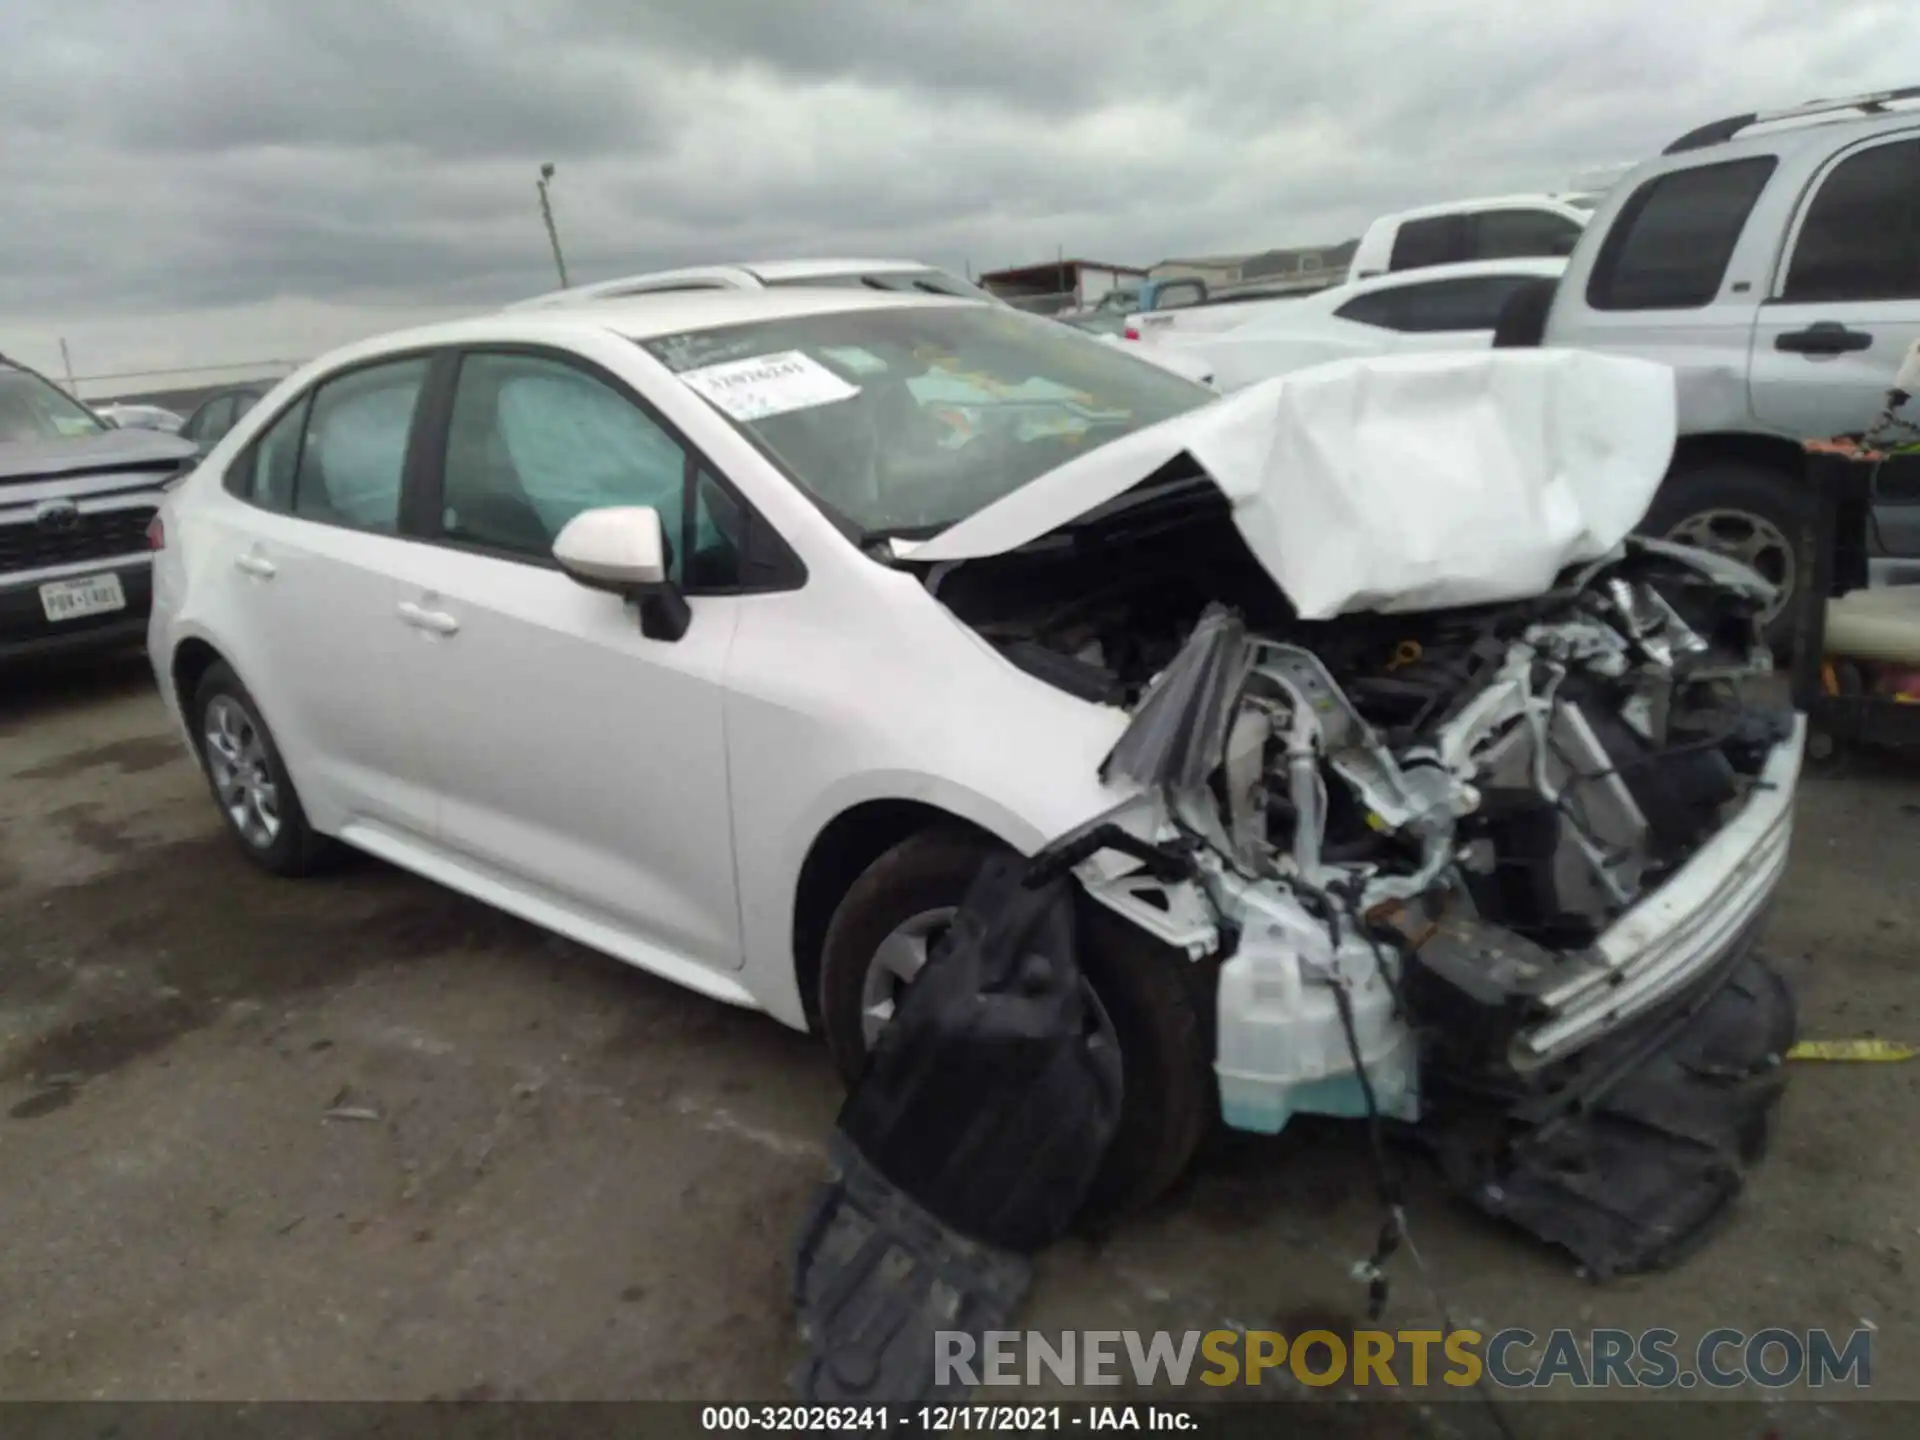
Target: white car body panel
point(1342, 494)
point(785, 710)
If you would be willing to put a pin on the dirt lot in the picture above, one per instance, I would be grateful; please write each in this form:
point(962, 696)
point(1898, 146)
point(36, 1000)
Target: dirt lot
point(581, 1181)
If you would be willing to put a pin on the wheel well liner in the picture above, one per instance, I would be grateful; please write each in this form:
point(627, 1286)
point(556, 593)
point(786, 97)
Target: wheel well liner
point(1768, 451)
point(191, 660)
point(851, 842)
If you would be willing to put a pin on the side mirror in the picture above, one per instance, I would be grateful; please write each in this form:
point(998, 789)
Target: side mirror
point(622, 548)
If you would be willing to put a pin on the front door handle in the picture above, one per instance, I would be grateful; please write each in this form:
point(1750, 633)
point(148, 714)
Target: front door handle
point(436, 622)
point(1827, 337)
point(256, 565)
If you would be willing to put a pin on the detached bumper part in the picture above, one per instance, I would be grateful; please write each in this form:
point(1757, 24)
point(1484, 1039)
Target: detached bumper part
point(1629, 1168)
point(972, 1139)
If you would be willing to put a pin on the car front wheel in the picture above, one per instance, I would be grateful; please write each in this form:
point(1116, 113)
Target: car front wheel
point(1147, 999)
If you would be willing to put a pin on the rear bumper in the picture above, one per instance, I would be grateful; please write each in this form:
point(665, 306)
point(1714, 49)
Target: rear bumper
point(26, 633)
point(1683, 930)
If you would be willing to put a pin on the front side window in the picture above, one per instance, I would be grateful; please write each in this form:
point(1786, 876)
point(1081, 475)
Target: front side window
point(903, 421)
point(1432, 306)
point(1672, 240)
point(35, 409)
point(355, 450)
point(1861, 237)
point(533, 442)
point(211, 420)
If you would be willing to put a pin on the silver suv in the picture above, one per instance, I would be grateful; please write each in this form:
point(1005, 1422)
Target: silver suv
point(1774, 261)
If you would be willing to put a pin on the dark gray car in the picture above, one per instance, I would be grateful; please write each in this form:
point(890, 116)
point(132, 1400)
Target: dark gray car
point(76, 498)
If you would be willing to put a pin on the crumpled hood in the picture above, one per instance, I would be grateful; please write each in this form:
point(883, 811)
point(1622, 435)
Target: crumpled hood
point(1395, 483)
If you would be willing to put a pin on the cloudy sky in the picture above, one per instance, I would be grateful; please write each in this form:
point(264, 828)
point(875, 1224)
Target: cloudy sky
point(198, 181)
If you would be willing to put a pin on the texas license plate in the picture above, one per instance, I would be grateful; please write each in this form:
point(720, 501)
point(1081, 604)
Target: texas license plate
point(89, 595)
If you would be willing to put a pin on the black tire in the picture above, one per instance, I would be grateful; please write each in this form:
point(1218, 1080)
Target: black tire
point(1155, 999)
point(296, 848)
point(1711, 498)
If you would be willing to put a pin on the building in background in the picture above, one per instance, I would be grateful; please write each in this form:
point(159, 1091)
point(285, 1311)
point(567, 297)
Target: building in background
point(1060, 285)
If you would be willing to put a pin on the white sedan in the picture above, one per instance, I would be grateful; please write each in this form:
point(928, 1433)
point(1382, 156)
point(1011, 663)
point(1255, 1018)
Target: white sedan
point(729, 633)
point(1440, 307)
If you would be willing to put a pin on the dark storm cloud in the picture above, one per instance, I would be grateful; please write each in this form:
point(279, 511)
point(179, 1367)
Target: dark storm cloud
point(196, 158)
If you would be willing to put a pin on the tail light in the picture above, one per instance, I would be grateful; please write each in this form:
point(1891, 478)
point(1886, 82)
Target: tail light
point(1130, 333)
point(156, 532)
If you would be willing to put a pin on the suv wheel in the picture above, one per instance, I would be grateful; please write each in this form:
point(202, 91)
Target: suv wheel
point(1148, 998)
point(249, 779)
point(1746, 511)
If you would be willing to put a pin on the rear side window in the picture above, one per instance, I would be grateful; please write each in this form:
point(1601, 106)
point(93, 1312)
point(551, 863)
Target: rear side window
point(1419, 243)
point(1670, 244)
point(356, 446)
point(1507, 234)
point(1472, 303)
point(1861, 237)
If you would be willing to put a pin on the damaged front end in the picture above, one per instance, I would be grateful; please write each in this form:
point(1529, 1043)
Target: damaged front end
point(1495, 872)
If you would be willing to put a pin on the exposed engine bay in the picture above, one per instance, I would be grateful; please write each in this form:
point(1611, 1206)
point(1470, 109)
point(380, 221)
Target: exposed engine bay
point(1444, 860)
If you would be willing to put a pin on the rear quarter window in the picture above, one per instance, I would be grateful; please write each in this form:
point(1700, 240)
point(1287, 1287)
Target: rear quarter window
point(1670, 243)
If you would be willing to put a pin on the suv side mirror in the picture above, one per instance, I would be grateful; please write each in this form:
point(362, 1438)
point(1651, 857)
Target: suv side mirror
point(622, 548)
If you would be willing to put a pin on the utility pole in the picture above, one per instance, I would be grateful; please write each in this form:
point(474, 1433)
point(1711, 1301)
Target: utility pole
point(66, 363)
point(546, 214)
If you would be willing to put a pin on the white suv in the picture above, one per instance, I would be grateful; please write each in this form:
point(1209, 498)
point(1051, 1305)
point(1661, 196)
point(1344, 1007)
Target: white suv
point(1773, 260)
point(729, 633)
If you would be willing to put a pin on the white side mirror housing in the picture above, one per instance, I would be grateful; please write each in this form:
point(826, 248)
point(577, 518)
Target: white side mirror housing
point(618, 548)
point(622, 548)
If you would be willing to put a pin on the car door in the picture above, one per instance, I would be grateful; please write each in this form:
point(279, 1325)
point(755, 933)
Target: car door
point(306, 566)
point(1844, 306)
point(578, 761)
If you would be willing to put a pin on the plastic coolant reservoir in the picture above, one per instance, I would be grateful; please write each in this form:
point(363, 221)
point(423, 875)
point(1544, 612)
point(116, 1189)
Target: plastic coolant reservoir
point(1282, 1049)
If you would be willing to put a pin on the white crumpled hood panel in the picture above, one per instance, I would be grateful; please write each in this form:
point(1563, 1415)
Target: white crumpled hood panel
point(1403, 482)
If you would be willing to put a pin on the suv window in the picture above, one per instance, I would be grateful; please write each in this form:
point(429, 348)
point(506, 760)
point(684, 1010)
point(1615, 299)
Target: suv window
point(1504, 234)
point(1468, 303)
point(1670, 243)
point(1861, 237)
point(1419, 243)
point(355, 448)
point(533, 442)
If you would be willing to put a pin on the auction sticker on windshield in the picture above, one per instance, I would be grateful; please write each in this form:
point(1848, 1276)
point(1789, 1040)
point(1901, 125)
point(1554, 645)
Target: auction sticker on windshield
point(768, 385)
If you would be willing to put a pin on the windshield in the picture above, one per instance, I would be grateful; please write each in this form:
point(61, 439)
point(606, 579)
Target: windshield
point(902, 422)
point(36, 409)
point(914, 282)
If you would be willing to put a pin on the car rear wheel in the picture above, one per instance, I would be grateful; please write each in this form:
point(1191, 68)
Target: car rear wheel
point(1742, 510)
point(249, 780)
point(1148, 999)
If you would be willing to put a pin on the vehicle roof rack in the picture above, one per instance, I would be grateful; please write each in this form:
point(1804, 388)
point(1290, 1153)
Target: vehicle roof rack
point(1721, 131)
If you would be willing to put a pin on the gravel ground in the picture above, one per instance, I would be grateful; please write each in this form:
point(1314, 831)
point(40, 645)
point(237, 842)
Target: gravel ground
point(551, 1176)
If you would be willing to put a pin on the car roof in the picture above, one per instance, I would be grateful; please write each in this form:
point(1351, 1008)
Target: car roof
point(1482, 202)
point(638, 317)
point(1546, 266)
point(735, 274)
point(808, 269)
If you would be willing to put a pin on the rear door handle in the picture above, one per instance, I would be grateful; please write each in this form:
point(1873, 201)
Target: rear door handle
point(256, 565)
point(436, 622)
point(1827, 337)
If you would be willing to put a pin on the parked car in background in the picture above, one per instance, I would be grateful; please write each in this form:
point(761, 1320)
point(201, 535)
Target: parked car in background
point(909, 276)
point(76, 498)
point(1500, 227)
point(219, 413)
point(1446, 307)
point(1773, 260)
point(140, 417)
